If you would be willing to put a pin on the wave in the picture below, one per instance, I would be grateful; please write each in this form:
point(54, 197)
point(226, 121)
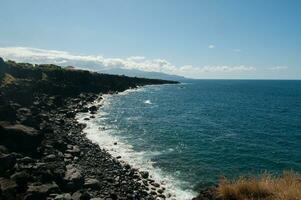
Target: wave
point(142, 160)
point(147, 102)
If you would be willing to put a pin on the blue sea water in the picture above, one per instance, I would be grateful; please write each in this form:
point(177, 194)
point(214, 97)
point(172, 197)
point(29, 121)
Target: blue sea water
point(196, 132)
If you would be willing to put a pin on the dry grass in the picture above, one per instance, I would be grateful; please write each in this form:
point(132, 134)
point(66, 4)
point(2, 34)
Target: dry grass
point(267, 187)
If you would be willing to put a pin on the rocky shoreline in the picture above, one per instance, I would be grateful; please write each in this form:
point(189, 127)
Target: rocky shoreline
point(69, 165)
point(43, 151)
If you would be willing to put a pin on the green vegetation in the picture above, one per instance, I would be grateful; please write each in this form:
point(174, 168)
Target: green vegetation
point(267, 187)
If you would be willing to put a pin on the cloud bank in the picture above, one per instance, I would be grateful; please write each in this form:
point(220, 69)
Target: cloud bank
point(99, 62)
point(278, 68)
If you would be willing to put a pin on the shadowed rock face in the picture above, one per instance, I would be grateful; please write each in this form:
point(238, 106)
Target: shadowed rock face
point(43, 153)
point(20, 138)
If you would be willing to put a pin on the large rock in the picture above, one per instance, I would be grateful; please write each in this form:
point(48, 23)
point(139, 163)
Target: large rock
point(93, 108)
point(73, 178)
point(7, 161)
point(76, 195)
point(65, 196)
point(25, 117)
point(3, 149)
point(144, 174)
point(92, 183)
point(8, 189)
point(19, 138)
point(74, 150)
point(21, 178)
point(41, 191)
point(80, 195)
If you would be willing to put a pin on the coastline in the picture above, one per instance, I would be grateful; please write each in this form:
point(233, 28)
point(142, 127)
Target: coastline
point(124, 153)
point(73, 165)
point(43, 151)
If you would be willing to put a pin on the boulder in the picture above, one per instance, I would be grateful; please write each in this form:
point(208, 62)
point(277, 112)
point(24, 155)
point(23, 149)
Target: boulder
point(24, 111)
point(144, 174)
point(160, 191)
point(8, 189)
point(70, 114)
point(26, 160)
point(41, 191)
point(3, 149)
point(92, 108)
point(65, 196)
point(19, 138)
point(92, 183)
point(7, 161)
point(74, 150)
point(73, 178)
point(155, 184)
point(77, 195)
point(50, 157)
point(21, 178)
point(25, 117)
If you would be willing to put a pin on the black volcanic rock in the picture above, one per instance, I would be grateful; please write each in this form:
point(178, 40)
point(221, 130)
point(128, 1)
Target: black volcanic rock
point(7, 161)
point(41, 191)
point(73, 178)
point(8, 189)
point(19, 138)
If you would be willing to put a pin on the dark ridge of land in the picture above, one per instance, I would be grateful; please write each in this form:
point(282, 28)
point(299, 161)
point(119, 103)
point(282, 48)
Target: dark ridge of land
point(43, 152)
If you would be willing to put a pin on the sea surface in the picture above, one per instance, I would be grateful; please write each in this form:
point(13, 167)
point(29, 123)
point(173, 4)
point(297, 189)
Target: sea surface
point(190, 135)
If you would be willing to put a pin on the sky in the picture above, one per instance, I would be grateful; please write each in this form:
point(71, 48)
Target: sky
point(231, 39)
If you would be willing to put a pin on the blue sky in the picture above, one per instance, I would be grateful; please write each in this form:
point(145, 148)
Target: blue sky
point(195, 38)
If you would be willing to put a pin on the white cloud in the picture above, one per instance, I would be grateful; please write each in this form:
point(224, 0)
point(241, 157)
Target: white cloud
point(278, 68)
point(98, 62)
point(211, 46)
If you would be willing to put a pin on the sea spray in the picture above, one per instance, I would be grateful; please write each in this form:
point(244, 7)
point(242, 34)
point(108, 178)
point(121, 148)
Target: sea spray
point(117, 146)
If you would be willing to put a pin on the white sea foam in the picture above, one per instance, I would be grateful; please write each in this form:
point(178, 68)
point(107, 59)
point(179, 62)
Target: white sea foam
point(147, 102)
point(142, 160)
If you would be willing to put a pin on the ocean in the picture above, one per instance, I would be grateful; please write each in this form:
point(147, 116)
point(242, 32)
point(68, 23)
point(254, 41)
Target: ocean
point(190, 135)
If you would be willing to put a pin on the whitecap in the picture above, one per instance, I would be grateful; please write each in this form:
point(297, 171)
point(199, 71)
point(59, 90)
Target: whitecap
point(104, 136)
point(147, 102)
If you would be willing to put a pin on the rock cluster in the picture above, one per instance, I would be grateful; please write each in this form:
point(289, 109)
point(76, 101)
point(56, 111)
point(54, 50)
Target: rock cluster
point(54, 160)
